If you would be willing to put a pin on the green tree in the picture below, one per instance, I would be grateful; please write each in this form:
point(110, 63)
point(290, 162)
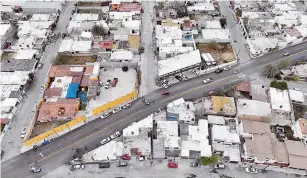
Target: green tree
point(209, 160)
point(283, 64)
point(282, 85)
point(270, 71)
point(238, 13)
point(99, 30)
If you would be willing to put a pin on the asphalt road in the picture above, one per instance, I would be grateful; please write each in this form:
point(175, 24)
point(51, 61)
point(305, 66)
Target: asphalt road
point(55, 154)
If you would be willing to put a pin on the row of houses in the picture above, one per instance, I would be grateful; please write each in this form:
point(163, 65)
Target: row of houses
point(24, 36)
point(270, 26)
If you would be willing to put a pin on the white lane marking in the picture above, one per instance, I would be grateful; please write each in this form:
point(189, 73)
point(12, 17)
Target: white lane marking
point(7, 168)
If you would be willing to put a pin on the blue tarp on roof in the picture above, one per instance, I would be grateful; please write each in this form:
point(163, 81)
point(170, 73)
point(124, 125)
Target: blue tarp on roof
point(72, 91)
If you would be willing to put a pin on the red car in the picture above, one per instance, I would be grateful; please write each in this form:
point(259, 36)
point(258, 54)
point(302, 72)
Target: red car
point(165, 92)
point(172, 165)
point(114, 82)
point(126, 157)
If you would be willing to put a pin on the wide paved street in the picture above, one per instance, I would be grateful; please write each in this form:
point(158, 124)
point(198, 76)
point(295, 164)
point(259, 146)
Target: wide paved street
point(55, 154)
point(12, 142)
point(138, 169)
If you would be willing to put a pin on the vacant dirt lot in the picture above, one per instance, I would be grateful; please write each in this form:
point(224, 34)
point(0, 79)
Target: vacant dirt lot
point(74, 60)
point(221, 52)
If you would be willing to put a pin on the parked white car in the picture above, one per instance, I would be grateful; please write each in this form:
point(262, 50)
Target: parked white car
point(77, 166)
point(251, 170)
point(116, 110)
point(23, 132)
point(115, 135)
point(208, 80)
point(106, 140)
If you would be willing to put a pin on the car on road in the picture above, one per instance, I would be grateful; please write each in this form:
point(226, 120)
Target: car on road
point(190, 175)
point(142, 50)
point(210, 93)
point(114, 82)
point(104, 165)
point(227, 68)
point(172, 165)
point(103, 116)
point(194, 164)
point(125, 69)
point(251, 170)
point(218, 70)
point(286, 54)
point(42, 88)
point(235, 71)
point(296, 89)
point(115, 135)
point(145, 101)
point(126, 157)
point(40, 65)
point(128, 105)
point(35, 169)
point(122, 164)
point(77, 166)
point(106, 140)
point(2, 153)
point(208, 80)
point(107, 84)
point(23, 132)
point(164, 92)
point(219, 166)
point(142, 158)
point(116, 110)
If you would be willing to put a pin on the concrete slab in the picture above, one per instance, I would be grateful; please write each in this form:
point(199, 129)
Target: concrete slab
point(126, 84)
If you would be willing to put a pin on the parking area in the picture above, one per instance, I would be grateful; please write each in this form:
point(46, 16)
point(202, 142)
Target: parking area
point(126, 82)
point(159, 169)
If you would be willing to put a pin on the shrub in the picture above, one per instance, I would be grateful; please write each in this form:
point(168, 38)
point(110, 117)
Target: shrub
point(209, 160)
point(282, 85)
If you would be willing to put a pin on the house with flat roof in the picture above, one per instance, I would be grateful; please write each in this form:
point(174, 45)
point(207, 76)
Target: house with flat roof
point(108, 151)
point(253, 110)
point(300, 129)
point(168, 132)
point(259, 92)
point(280, 101)
point(224, 134)
point(14, 78)
point(260, 145)
point(39, 7)
point(197, 145)
point(217, 35)
point(296, 96)
point(181, 111)
point(297, 154)
point(220, 105)
point(136, 139)
point(70, 46)
point(178, 64)
point(18, 65)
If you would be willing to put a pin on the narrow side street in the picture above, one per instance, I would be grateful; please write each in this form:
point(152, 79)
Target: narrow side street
point(12, 142)
point(148, 61)
point(240, 49)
